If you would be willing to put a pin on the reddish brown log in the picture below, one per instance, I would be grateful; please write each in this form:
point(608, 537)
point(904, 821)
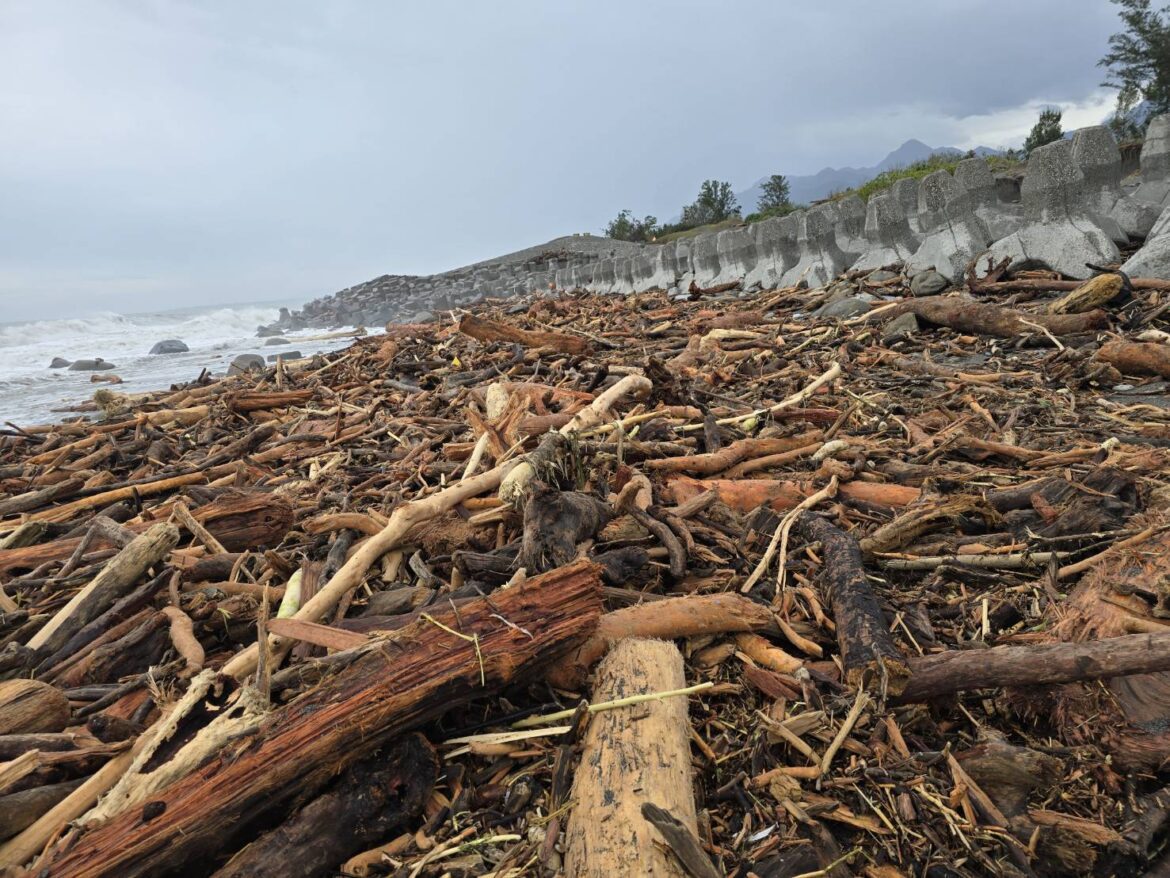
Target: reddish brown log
point(967, 315)
point(745, 495)
point(1137, 357)
point(302, 745)
point(490, 330)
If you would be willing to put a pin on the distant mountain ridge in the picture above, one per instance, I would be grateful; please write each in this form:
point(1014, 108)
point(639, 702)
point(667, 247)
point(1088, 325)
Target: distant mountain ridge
point(813, 187)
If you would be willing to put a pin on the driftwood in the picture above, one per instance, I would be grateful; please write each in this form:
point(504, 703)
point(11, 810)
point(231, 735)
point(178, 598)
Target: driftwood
point(632, 756)
point(967, 315)
point(302, 745)
point(1136, 357)
point(489, 331)
point(31, 706)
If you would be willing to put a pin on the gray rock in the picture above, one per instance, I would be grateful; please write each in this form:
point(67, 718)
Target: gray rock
point(879, 276)
point(276, 340)
point(59, 363)
point(285, 355)
point(850, 307)
point(422, 317)
point(169, 346)
point(887, 233)
point(928, 283)
point(1059, 232)
point(95, 365)
point(266, 331)
point(903, 324)
point(246, 363)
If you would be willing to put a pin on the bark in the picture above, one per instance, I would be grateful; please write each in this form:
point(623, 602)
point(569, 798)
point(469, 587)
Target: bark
point(485, 331)
point(1137, 357)
point(870, 657)
point(370, 801)
point(20, 810)
point(632, 756)
point(301, 746)
point(967, 315)
point(555, 522)
point(729, 456)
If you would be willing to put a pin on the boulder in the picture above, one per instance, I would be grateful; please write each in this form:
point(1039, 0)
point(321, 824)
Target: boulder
point(852, 306)
point(246, 363)
point(169, 346)
point(1059, 232)
point(59, 363)
point(95, 365)
point(902, 325)
point(276, 339)
point(285, 355)
point(422, 317)
point(928, 283)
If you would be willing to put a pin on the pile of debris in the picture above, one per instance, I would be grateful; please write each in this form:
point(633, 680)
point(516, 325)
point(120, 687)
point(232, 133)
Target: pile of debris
point(611, 586)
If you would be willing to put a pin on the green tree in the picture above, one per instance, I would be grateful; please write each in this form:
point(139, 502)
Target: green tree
point(716, 202)
point(1138, 62)
point(626, 227)
point(774, 197)
point(1046, 130)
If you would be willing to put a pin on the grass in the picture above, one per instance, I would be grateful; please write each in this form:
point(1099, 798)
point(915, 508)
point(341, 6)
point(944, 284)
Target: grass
point(729, 223)
point(918, 170)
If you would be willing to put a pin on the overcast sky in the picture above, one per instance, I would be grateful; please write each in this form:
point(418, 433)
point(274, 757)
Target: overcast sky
point(166, 154)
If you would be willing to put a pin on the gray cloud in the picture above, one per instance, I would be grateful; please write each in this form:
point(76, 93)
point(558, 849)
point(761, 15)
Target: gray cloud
point(158, 154)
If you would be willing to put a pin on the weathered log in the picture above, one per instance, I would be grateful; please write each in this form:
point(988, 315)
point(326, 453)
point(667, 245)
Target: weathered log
point(745, 495)
point(1035, 665)
point(116, 578)
point(963, 314)
point(36, 499)
point(31, 706)
point(666, 619)
point(1137, 357)
point(21, 810)
point(301, 746)
point(870, 657)
point(730, 455)
point(554, 523)
point(485, 330)
point(632, 756)
point(370, 800)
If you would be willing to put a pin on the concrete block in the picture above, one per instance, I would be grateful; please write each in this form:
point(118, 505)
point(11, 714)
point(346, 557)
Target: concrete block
point(906, 191)
point(1155, 164)
point(887, 233)
point(705, 259)
point(959, 237)
point(1096, 153)
point(850, 227)
point(737, 254)
point(1001, 218)
point(819, 258)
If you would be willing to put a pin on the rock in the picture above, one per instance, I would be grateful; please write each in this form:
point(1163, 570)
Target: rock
point(879, 276)
point(266, 331)
point(59, 363)
point(285, 355)
point(850, 307)
point(95, 365)
point(903, 324)
point(246, 363)
point(169, 346)
point(928, 283)
point(277, 340)
point(422, 317)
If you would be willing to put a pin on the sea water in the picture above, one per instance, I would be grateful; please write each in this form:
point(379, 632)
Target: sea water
point(32, 393)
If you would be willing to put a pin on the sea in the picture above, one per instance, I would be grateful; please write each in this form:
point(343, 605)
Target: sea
point(31, 393)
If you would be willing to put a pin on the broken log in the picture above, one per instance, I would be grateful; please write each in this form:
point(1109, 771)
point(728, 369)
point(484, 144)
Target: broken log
point(868, 653)
point(28, 706)
point(1136, 357)
point(372, 799)
point(484, 330)
point(300, 747)
point(746, 495)
point(963, 314)
point(632, 756)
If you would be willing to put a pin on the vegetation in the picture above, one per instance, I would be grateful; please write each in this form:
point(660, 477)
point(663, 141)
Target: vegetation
point(774, 201)
point(1046, 130)
point(626, 227)
point(1138, 64)
point(715, 203)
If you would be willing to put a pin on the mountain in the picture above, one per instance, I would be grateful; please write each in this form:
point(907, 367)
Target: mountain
point(813, 187)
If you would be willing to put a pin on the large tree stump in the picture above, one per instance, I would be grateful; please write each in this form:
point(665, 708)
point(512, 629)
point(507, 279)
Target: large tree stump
point(632, 756)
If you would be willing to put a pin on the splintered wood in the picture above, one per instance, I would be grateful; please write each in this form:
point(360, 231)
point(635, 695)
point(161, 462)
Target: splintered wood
point(584, 585)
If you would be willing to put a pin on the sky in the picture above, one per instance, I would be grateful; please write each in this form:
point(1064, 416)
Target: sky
point(159, 155)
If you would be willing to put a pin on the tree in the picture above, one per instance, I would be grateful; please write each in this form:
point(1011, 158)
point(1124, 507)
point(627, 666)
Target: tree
point(1046, 130)
point(716, 202)
point(774, 196)
point(1138, 62)
point(626, 227)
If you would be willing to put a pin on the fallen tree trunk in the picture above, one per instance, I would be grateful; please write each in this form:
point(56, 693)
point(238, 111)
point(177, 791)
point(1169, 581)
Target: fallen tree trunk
point(485, 331)
point(729, 456)
point(963, 314)
point(1136, 357)
point(868, 653)
point(300, 747)
point(632, 756)
point(368, 802)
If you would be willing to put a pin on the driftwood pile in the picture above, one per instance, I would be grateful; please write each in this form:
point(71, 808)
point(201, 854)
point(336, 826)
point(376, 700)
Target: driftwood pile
point(604, 586)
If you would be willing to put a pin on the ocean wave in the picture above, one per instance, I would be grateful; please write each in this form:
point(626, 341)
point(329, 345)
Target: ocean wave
point(208, 325)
